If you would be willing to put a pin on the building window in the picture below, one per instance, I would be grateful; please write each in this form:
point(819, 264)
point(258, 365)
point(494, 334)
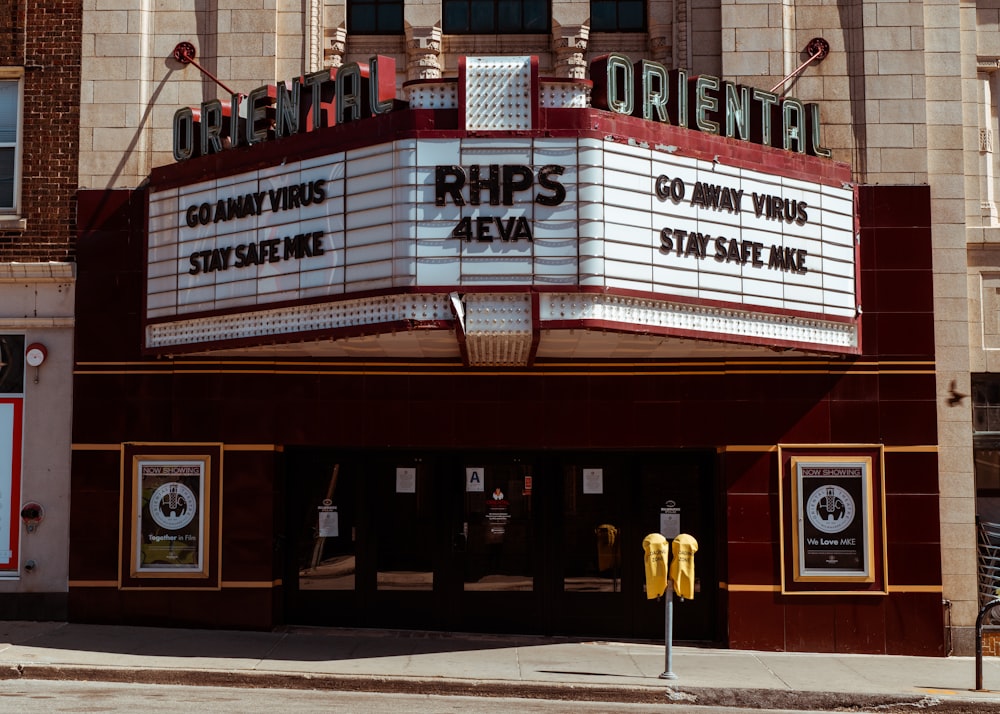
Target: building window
point(986, 432)
point(481, 17)
point(988, 164)
point(10, 120)
point(617, 15)
point(986, 449)
point(375, 17)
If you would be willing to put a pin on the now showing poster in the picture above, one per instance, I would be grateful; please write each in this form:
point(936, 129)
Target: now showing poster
point(833, 520)
point(170, 531)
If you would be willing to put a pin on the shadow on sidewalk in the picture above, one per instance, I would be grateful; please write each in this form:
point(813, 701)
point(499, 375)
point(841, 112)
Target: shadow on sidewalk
point(287, 643)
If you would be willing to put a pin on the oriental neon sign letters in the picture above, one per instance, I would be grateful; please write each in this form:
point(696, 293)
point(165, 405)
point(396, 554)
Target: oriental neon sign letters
point(706, 103)
point(644, 89)
point(325, 98)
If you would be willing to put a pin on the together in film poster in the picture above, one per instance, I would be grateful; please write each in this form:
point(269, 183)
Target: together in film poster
point(171, 515)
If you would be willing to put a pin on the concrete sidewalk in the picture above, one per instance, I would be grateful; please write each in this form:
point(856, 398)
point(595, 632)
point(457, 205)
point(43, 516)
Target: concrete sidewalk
point(487, 665)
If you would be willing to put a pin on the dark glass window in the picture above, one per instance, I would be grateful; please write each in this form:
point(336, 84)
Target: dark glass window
point(617, 15)
point(480, 17)
point(986, 431)
point(375, 17)
point(9, 118)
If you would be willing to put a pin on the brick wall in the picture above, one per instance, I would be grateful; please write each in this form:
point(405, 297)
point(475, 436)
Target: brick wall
point(45, 40)
point(11, 14)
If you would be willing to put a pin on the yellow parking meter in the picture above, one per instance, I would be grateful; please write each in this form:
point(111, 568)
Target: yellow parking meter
point(682, 566)
point(656, 554)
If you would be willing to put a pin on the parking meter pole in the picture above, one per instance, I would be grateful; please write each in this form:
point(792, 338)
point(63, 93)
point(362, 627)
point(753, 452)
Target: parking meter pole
point(668, 627)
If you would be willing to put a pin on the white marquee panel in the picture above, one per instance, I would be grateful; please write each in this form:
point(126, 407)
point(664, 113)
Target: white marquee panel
point(381, 229)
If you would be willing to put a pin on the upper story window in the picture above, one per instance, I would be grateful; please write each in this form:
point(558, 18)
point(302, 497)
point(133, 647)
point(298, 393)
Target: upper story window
point(10, 135)
point(375, 17)
point(617, 15)
point(482, 17)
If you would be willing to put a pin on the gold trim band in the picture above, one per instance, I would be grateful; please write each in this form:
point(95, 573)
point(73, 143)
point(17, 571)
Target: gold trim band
point(898, 449)
point(233, 584)
point(777, 588)
point(225, 447)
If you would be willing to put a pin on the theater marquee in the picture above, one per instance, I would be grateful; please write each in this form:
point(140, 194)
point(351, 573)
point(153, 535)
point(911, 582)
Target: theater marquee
point(714, 245)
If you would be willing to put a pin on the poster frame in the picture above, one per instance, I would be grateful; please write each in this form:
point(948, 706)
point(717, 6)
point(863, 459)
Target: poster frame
point(866, 495)
point(206, 487)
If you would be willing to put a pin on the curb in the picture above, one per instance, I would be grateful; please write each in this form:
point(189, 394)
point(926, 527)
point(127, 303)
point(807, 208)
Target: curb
point(700, 696)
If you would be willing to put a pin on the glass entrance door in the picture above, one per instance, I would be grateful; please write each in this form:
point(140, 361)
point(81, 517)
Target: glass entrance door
point(498, 543)
point(675, 493)
point(493, 541)
point(323, 520)
point(414, 540)
point(595, 570)
point(607, 503)
point(407, 542)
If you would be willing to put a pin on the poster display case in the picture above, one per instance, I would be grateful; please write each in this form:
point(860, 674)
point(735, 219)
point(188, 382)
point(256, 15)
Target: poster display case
point(171, 514)
point(832, 519)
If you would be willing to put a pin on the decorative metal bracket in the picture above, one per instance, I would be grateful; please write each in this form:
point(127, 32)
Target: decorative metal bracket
point(185, 53)
point(818, 49)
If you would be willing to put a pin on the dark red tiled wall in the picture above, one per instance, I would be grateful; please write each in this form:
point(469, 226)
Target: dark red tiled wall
point(378, 410)
point(96, 485)
point(896, 276)
point(249, 538)
point(864, 401)
point(110, 280)
point(882, 407)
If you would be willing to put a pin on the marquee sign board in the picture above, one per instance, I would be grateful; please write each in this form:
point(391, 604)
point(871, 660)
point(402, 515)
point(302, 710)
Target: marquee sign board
point(625, 217)
point(463, 212)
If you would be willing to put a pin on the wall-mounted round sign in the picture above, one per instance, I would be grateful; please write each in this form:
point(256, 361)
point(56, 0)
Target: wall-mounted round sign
point(35, 354)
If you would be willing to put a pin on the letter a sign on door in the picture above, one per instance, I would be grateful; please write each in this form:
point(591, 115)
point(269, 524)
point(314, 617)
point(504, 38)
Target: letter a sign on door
point(474, 479)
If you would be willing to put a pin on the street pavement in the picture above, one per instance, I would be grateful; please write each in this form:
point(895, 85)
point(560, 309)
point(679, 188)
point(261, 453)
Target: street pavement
point(492, 665)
